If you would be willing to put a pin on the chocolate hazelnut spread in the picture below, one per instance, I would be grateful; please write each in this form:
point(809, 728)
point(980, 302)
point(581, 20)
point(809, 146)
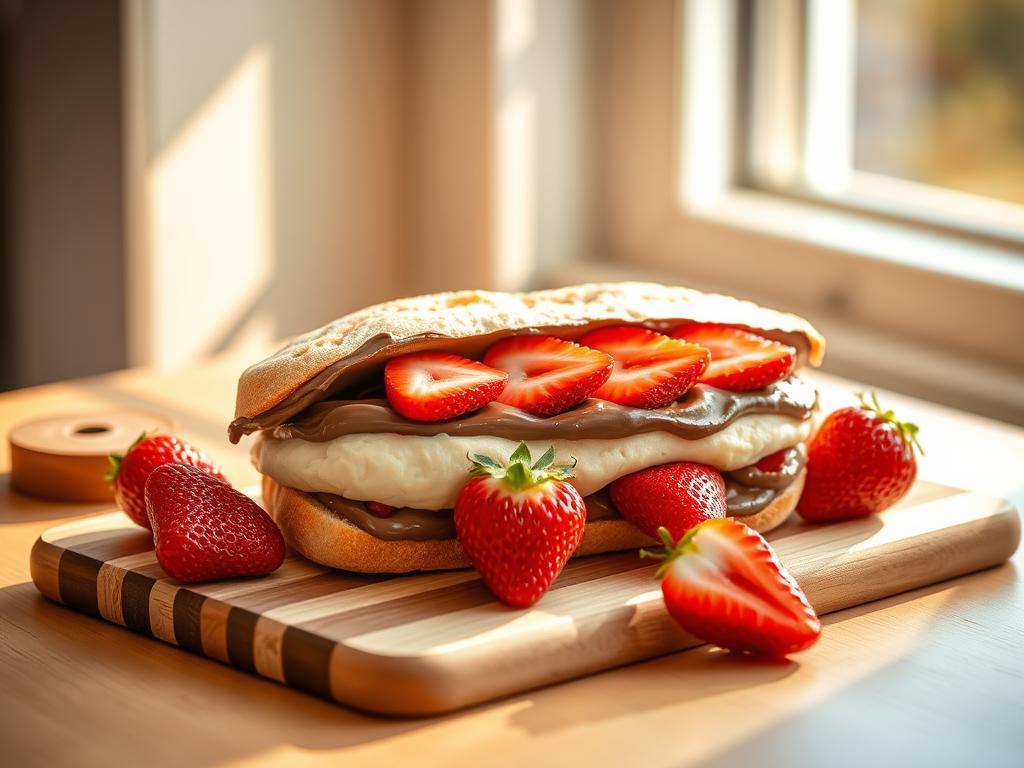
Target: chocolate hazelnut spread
point(404, 524)
point(792, 463)
point(355, 370)
point(428, 525)
point(702, 411)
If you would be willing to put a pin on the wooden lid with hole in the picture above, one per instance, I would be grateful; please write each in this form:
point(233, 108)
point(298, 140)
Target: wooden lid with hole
point(65, 457)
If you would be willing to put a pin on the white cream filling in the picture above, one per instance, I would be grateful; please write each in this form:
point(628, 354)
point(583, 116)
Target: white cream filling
point(428, 472)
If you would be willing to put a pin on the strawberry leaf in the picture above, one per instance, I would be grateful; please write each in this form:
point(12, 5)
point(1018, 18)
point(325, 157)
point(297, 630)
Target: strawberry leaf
point(906, 429)
point(484, 462)
point(115, 460)
point(546, 460)
point(520, 455)
point(518, 473)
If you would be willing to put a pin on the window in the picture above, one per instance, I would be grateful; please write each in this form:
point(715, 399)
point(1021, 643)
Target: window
point(752, 149)
point(911, 108)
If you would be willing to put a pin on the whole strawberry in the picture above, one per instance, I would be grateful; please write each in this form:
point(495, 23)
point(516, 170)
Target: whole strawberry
point(129, 473)
point(677, 496)
point(860, 462)
point(724, 584)
point(204, 529)
point(519, 523)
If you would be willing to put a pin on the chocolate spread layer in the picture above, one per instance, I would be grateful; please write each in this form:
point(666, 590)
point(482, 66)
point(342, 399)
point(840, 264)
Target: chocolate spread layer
point(702, 411)
point(363, 365)
point(792, 463)
point(408, 524)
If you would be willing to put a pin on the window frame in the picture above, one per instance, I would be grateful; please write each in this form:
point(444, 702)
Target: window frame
point(913, 306)
point(802, 70)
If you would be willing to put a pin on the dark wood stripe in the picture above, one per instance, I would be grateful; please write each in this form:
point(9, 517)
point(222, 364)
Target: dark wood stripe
point(77, 580)
point(402, 610)
point(187, 606)
point(306, 660)
point(241, 631)
point(135, 589)
point(44, 565)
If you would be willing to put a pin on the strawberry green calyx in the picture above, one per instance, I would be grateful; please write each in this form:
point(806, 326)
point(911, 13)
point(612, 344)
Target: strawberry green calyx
point(906, 429)
point(671, 550)
point(519, 473)
point(115, 460)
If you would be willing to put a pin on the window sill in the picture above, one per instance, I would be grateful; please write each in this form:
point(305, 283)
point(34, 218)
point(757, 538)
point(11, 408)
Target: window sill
point(874, 239)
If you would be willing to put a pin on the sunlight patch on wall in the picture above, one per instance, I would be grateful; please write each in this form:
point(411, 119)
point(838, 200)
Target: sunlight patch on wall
point(516, 221)
point(210, 232)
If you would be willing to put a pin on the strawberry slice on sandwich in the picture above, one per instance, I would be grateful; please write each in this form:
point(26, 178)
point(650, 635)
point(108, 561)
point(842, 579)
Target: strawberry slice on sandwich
point(434, 386)
point(651, 370)
point(547, 375)
point(740, 360)
point(367, 429)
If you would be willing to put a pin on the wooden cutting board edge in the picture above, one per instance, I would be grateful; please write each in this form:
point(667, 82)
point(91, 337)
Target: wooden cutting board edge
point(624, 619)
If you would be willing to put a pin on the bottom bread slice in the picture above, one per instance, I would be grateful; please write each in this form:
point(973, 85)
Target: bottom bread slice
point(315, 532)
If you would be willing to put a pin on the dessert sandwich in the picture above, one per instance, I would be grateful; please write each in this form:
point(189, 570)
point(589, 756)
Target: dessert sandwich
point(364, 428)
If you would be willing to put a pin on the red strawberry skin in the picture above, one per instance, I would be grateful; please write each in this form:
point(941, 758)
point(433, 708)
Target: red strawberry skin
point(677, 496)
point(740, 360)
point(728, 587)
point(133, 470)
point(204, 529)
point(651, 370)
point(519, 540)
point(773, 462)
point(435, 386)
point(547, 375)
point(858, 464)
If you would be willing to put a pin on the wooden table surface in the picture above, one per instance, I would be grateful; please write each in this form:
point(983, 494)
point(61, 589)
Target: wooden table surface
point(934, 676)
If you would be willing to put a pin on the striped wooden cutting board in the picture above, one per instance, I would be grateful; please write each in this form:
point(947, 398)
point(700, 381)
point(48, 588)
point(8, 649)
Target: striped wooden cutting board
point(421, 644)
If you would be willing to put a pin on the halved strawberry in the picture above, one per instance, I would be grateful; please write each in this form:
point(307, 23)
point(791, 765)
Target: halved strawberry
point(723, 584)
point(434, 386)
point(651, 370)
point(773, 462)
point(547, 375)
point(740, 360)
point(378, 509)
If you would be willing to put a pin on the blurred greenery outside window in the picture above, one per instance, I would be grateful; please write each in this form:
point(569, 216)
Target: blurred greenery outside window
point(940, 93)
point(906, 108)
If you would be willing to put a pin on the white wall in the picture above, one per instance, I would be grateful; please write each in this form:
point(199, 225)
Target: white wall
point(266, 168)
point(291, 161)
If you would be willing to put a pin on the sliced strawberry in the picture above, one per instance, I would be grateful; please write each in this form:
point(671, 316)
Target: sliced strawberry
point(434, 386)
point(723, 584)
point(380, 509)
point(651, 370)
point(740, 360)
point(773, 462)
point(547, 375)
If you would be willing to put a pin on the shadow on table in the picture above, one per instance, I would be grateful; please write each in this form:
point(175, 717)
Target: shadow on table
point(75, 691)
point(20, 508)
point(928, 706)
point(968, 709)
point(211, 431)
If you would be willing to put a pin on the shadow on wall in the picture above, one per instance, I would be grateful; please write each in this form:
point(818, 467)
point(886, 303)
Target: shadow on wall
point(266, 170)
